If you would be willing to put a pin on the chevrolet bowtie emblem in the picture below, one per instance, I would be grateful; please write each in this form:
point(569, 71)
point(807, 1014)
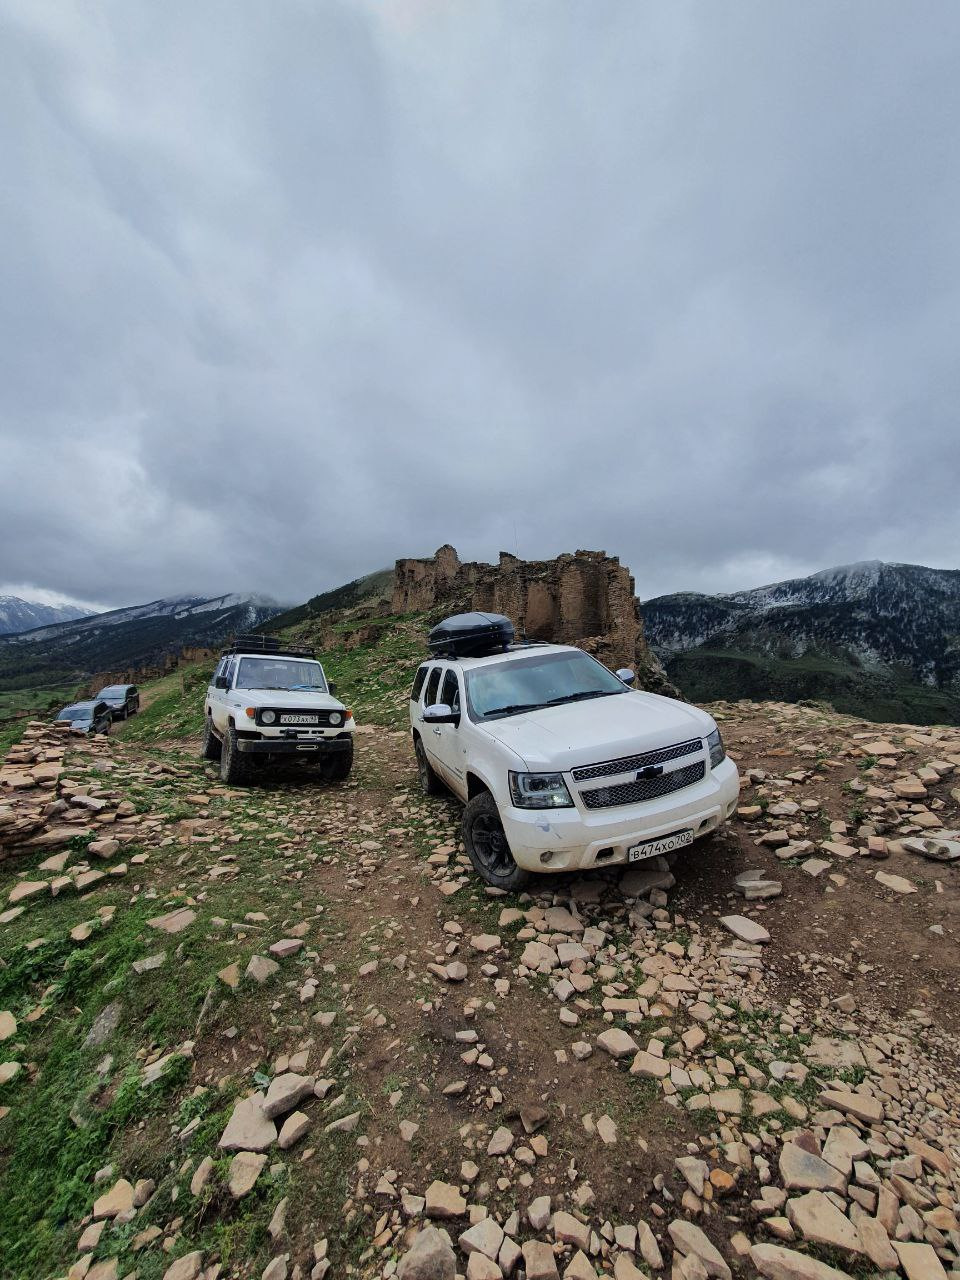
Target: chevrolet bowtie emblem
point(651, 771)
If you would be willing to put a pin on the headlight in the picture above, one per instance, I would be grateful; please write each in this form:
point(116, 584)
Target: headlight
point(539, 791)
point(716, 748)
point(268, 717)
point(335, 717)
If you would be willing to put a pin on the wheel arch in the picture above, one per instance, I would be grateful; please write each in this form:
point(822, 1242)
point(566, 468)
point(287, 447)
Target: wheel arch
point(475, 785)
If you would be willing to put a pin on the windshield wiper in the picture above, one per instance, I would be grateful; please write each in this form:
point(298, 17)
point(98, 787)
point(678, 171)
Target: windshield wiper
point(581, 697)
point(513, 708)
point(314, 687)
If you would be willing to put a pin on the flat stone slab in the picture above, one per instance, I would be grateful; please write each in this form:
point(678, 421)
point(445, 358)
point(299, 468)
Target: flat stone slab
point(617, 1043)
point(815, 866)
point(444, 1201)
point(934, 849)
point(776, 1263)
point(818, 1220)
point(919, 1261)
point(897, 883)
point(745, 929)
point(802, 1170)
point(860, 1105)
point(689, 1239)
point(285, 1092)
point(173, 921)
point(248, 1129)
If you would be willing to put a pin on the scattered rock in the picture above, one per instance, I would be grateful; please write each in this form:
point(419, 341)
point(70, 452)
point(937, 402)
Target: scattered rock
point(430, 1257)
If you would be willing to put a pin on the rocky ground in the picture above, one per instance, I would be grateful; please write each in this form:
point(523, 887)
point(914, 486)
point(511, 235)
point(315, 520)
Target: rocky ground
point(283, 1032)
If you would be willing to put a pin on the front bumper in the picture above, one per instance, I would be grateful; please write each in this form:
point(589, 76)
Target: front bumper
point(295, 746)
point(576, 839)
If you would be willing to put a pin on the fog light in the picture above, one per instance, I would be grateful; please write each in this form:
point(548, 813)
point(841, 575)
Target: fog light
point(546, 856)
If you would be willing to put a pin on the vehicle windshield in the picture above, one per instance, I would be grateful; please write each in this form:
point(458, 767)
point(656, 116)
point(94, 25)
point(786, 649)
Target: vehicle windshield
point(113, 691)
point(76, 714)
point(542, 680)
point(280, 673)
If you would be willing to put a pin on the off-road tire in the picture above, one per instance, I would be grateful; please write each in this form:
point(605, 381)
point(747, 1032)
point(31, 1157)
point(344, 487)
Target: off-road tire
point(337, 768)
point(487, 846)
point(233, 767)
point(430, 784)
point(210, 747)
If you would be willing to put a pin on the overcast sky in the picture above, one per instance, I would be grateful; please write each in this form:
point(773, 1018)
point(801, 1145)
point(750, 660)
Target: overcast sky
point(291, 288)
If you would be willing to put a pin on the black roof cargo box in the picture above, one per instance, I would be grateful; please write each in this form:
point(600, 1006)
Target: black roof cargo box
point(471, 635)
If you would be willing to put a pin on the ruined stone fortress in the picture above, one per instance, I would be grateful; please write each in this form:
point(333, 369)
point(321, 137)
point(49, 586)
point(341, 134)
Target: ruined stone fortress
point(586, 599)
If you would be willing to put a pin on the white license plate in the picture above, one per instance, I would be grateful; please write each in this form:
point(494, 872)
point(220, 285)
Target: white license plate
point(298, 720)
point(654, 848)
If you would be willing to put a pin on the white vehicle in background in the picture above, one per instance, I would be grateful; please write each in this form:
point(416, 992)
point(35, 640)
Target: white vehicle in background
point(266, 704)
point(560, 764)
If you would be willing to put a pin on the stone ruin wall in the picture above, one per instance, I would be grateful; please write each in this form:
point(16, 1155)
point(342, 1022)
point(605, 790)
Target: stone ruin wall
point(586, 598)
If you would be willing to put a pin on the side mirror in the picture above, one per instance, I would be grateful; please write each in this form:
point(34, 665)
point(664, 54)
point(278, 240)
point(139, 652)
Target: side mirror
point(440, 713)
point(331, 687)
point(221, 682)
point(626, 675)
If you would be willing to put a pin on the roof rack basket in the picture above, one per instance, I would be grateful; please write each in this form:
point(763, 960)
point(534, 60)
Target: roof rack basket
point(267, 646)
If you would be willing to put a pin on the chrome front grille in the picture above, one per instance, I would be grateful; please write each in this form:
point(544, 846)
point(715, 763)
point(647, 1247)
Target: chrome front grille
point(630, 764)
point(644, 788)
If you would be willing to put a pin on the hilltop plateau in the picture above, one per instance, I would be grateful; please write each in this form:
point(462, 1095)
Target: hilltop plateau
point(276, 1032)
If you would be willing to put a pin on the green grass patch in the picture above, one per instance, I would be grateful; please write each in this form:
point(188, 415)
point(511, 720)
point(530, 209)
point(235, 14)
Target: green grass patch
point(175, 708)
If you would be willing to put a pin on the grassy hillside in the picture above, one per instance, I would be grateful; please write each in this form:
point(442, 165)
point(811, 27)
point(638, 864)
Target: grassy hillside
point(707, 675)
point(373, 587)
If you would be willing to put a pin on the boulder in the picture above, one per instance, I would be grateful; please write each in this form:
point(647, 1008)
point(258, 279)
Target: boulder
point(429, 1258)
point(248, 1129)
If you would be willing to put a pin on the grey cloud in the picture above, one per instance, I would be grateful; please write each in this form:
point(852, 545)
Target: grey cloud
point(288, 290)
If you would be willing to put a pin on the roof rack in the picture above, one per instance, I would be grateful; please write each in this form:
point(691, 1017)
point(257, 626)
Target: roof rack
point(265, 646)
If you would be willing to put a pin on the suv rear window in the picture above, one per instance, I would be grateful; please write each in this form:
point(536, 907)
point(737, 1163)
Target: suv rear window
point(433, 684)
point(418, 680)
point(451, 691)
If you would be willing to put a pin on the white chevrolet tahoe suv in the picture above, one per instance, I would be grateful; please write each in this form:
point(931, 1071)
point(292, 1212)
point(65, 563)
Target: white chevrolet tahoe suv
point(265, 704)
point(562, 766)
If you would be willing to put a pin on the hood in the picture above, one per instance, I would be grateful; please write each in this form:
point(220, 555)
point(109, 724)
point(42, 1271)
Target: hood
point(299, 698)
point(582, 733)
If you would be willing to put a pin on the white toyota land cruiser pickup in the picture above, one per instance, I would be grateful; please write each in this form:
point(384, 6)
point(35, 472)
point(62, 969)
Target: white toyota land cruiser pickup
point(265, 704)
point(560, 764)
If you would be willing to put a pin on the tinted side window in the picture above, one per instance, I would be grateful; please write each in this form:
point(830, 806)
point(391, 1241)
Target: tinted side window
point(418, 680)
point(451, 690)
point(433, 685)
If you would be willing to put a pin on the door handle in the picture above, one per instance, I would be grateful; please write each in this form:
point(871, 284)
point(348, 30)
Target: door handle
point(437, 732)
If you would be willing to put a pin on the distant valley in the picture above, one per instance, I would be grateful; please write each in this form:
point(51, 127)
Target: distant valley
point(873, 639)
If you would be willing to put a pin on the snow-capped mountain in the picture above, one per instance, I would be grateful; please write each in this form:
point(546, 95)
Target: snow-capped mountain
point(211, 616)
point(124, 639)
point(17, 614)
point(874, 623)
